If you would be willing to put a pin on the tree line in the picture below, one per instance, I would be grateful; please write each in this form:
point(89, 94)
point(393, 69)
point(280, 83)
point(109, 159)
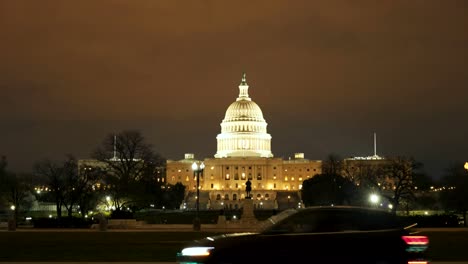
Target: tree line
point(399, 182)
point(124, 176)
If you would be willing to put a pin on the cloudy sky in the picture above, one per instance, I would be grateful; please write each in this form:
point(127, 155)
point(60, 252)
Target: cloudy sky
point(327, 75)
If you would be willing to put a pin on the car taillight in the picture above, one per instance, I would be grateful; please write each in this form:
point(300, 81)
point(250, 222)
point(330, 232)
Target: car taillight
point(416, 240)
point(416, 244)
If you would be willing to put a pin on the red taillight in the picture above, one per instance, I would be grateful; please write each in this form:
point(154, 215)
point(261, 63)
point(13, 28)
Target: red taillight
point(418, 262)
point(416, 240)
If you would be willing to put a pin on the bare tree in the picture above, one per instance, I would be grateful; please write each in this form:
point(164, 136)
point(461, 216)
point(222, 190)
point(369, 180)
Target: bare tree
point(332, 165)
point(51, 175)
point(128, 159)
point(395, 180)
point(455, 196)
point(77, 186)
point(14, 188)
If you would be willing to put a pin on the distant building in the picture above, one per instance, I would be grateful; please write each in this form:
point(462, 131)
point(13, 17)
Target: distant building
point(244, 153)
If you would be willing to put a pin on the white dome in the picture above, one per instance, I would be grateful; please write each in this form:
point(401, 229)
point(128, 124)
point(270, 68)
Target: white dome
point(244, 110)
point(243, 129)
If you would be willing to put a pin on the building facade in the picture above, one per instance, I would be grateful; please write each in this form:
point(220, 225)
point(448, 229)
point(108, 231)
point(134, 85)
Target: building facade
point(244, 153)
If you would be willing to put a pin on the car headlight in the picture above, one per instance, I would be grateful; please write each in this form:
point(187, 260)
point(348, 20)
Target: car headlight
point(197, 251)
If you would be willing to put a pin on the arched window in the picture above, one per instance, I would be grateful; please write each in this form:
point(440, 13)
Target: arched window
point(226, 197)
point(218, 197)
point(259, 196)
point(267, 196)
point(234, 196)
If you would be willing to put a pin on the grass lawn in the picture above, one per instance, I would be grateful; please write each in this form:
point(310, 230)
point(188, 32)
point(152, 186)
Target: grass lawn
point(154, 246)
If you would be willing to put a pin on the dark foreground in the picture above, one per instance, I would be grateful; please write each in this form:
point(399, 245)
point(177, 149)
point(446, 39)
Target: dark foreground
point(94, 246)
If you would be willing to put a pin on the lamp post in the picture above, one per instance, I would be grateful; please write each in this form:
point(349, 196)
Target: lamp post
point(197, 170)
point(12, 220)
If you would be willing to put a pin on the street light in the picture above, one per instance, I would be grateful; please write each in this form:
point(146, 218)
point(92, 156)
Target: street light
point(197, 170)
point(466, 166)
point(374, 199)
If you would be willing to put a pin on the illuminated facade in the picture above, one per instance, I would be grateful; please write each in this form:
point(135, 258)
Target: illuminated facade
point(244, 153)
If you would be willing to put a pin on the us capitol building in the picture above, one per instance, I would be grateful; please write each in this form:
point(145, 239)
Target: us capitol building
point(243, 153)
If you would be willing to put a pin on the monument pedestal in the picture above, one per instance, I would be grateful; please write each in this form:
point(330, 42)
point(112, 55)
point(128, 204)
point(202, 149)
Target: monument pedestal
point(248, 217)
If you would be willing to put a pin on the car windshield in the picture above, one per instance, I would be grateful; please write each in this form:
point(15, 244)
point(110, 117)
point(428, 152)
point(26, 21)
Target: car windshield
point(267, 224)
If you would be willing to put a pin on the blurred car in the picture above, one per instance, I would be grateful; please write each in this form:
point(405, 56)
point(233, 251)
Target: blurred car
point(315, 235)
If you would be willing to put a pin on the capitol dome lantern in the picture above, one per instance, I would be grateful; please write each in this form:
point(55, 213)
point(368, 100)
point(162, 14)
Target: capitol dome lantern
point(243, 129)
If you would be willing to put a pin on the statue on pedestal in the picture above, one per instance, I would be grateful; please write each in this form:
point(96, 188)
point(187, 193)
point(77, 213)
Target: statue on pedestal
point(248, 188)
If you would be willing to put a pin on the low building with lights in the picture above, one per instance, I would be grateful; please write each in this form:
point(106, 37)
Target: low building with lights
point(244, 153)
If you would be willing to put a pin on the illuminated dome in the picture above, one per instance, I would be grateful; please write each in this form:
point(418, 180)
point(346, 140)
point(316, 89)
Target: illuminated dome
point(243, 129)
point(244, 110)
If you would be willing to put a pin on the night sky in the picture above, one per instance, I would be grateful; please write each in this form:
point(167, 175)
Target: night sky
point(326, 74)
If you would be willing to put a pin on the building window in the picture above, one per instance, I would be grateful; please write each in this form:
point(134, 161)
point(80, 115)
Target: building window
point(292, 178)
point(236, 176)
point(234, 196)
point(250, 176)
point(227, 177)
point(187, 178)
point(259, 196)
point(267, 196)
point(250, 168)
point(274, 185)
point(226, 197)
point(227, 167)
point(237, 185)
point(218, 197)
point(259, 176)
point(212, 186)
point(300, 178)
point(286, 178)
point(274, 168)
point(243, 176)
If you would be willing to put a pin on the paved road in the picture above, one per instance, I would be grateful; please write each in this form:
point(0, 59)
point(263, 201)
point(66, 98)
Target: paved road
point(42, 262)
